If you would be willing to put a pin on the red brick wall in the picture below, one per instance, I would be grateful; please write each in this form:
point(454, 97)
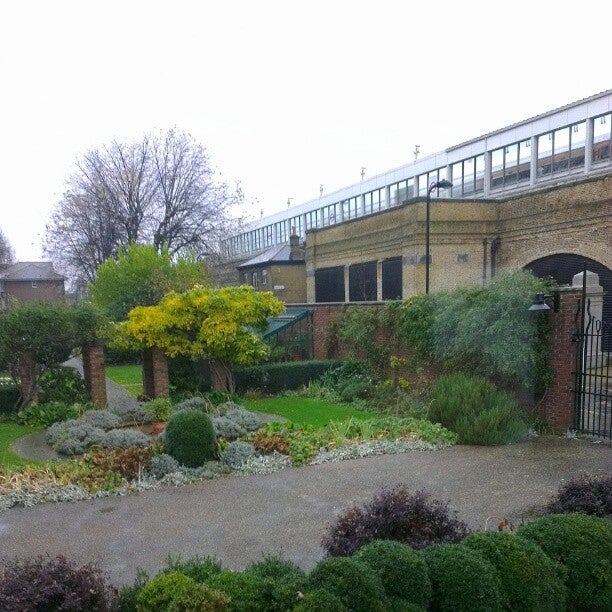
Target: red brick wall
point(155, 379)
point(557, 407)
point(93, 373)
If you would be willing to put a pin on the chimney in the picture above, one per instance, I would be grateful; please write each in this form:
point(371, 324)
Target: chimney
point(294, 247)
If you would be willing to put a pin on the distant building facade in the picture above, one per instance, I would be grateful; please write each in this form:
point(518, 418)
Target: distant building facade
point(30, 281)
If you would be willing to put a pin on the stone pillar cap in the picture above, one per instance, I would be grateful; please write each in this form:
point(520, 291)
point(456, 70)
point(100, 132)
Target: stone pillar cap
point(592, 280)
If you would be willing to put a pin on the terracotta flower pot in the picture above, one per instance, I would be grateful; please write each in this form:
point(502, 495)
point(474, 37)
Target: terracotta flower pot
point(157, 428)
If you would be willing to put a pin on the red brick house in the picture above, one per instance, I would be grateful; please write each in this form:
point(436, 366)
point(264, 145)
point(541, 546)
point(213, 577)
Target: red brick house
point(28, 281)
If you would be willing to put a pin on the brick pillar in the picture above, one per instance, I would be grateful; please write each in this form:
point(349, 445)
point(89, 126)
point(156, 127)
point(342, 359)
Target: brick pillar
point(155, 381)
point(557, 406)
point(93, 373)
point(27, 378)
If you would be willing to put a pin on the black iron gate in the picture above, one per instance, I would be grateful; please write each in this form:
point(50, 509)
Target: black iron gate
point(593, 390)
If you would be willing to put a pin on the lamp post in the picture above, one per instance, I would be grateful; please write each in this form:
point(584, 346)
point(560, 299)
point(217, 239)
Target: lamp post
point(443, 184)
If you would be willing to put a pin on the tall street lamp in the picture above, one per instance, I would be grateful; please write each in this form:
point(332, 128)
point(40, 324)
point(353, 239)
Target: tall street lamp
point(443, 184)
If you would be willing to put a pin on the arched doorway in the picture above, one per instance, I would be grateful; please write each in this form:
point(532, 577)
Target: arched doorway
point(562, 267)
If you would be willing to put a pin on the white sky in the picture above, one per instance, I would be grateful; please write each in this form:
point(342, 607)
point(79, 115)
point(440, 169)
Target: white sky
point(285, 95)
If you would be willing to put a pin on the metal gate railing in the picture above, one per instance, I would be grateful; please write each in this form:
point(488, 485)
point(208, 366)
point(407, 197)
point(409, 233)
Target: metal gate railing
point(593, 391)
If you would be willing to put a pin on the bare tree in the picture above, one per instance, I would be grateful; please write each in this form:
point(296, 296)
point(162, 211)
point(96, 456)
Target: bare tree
point(160, 190)
point(7, 255)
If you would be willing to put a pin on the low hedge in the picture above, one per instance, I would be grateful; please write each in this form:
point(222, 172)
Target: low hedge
point(9, 396)
point(277, 377)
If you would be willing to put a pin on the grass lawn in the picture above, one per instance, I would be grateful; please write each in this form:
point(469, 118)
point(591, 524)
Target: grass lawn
point(9, 432)
point(306, 411)
point(128, 376)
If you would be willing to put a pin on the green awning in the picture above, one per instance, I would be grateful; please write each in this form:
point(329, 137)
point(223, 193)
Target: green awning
point(285, 320)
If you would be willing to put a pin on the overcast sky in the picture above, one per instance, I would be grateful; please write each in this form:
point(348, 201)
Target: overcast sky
point(284, 95)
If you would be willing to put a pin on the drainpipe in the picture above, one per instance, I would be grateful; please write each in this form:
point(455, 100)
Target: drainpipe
point(484, 261)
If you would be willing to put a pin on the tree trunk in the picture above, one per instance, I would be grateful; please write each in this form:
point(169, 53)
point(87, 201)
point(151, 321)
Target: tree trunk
point(222, 376)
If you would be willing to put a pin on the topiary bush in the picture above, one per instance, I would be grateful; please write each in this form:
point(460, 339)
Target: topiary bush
point(45, 583)
point(401, 570)
point(476, 410)
point(394, 514)
point(197, 568)
point(355, 583)
point(530, 579)
point(190, 438)
point(125, 438)
point(283, 581)
point(583, 544)
point(461, 579)
point(584, 494)
point(319, 600)
point(246, 591)
point(158, 593)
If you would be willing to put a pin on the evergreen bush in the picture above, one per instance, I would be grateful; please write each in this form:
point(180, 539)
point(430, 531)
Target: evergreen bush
point(530, 579)
point(401, 570)
point(583, 544)
point(45, 583)
point(356, 584)
point(9, 397)
point(461, 579)
point(246, 591)
point(157, 594)
point(282, 579)
point(227, 429)
point(319, 600)
point(394, 514)
point(190, 438)
point(197, 568)
point(62, 384)
point(273, 378)
point(476, 410)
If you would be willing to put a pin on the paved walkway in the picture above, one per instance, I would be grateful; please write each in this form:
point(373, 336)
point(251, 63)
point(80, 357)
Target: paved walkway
point(238, 519)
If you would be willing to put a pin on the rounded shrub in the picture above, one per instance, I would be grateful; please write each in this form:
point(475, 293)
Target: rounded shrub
point(319, 600)
point(227, 429)
point(62, 384)
point(162, 591)
point(190, 438)
point(401, 570)
point(45, 583)
point(74, 437)
point(583, 544)
point(355, 583)
point(461, 579)
point(529, 578)
point(283, 581)
point(394, 514)
point(246, 591)
point(198, 568)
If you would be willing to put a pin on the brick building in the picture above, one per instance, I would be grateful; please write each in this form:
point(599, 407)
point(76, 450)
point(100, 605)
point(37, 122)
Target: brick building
point(28, 281)
point(536, 195)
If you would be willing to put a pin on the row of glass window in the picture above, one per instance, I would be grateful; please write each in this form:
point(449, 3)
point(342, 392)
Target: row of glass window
point(558, 151)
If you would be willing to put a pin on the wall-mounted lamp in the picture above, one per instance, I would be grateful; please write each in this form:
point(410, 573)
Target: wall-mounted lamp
point(539, 303)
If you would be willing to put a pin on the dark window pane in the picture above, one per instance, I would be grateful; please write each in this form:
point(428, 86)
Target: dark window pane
point(329, 285)
point(362, 282)
point(392, 279)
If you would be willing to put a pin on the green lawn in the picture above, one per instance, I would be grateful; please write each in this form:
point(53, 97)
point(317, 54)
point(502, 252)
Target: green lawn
point(128, 376)
point(9, 432)
point(305, 411)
